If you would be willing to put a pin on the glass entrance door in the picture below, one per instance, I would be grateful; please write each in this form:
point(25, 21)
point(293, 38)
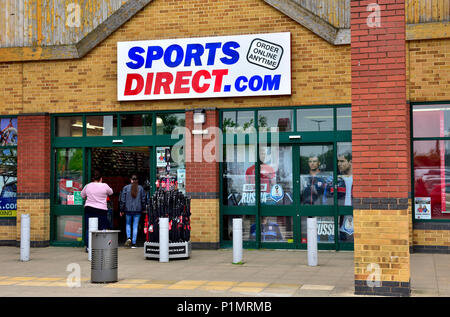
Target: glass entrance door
point(278, 203)
point(297, 181)
point(117, 165)
point(274, 188)
point(294, 182)
point(67, 205)
point(317, 170)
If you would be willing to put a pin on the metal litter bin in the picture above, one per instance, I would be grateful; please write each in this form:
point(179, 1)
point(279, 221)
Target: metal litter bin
point(104, 261)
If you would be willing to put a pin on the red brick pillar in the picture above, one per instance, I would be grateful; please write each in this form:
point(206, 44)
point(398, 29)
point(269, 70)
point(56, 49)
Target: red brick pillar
point(202, 179)
point(33, 176)
point(381, 154)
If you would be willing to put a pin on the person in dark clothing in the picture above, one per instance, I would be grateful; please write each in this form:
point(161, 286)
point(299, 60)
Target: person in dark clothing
point(132, 203)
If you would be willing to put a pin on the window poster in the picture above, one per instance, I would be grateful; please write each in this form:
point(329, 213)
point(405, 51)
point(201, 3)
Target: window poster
point(8, 131)
point(161, 157)
point(71, 228)
point(422, 207)
point(77, 199)
point(8, 183)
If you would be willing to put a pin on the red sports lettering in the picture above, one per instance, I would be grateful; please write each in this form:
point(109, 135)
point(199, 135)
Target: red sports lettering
point(196, 81)
point(163, 80)
point(129, 84)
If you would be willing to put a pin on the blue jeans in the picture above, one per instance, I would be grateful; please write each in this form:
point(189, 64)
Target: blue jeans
point(135, 218)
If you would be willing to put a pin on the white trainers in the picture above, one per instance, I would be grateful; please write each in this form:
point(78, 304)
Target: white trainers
point(128, 243)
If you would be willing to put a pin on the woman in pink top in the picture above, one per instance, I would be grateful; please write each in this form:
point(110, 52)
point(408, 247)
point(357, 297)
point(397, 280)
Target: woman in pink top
point(95, 206)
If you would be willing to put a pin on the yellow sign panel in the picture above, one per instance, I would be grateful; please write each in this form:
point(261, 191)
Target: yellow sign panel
point(8, 213)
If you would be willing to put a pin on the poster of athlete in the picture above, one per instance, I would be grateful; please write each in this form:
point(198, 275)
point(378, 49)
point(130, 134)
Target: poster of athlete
point(8, 182)
point(8, 131)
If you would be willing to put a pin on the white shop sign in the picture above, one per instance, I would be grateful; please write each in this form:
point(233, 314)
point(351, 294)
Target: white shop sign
point(206, 67)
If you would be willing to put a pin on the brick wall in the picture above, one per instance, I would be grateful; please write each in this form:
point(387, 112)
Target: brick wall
point(429, 70)
point(320, 72)
point(33, 157)
point(202, 178)
point(11, 88)
point(202, 174)
point(8, 231)
point(39, 211)
point(431, 237)
point(33, 176)
point(381, 156)
point(205, 222)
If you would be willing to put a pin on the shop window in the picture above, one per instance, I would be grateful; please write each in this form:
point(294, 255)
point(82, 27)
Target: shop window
point(166, 123)
point(431, 158)
point(316, 175)
point(136, 124)
point(239, 175)
point(432, 179)
point(319, 119)
point(69, 126)
point(275, 121)
point(345, 174)
point(276, 175)
point(431, 121)
point(8, 182)
point(101, 125)
point(276, 229)
point(325, 229)
point(248, 223)
point(238, 122)
point(69, 180)
point(344, 119)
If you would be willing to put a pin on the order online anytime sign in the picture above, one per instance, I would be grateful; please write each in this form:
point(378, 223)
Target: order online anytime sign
point(207, 67)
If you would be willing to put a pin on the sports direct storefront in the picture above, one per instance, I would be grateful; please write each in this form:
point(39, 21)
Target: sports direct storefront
point(261, 155)
point(253, 112)
point(209, 67)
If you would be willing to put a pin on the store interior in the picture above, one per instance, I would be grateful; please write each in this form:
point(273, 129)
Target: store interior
point(117, 165)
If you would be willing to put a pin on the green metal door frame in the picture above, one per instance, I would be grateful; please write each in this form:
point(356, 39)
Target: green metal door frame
point(86, 143)
point(296, 211)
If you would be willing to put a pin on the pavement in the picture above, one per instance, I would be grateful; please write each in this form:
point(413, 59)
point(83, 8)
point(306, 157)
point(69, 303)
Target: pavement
point(65, 272)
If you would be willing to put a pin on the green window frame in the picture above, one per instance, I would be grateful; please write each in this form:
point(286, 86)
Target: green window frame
point(289, 136)
point(85, 142)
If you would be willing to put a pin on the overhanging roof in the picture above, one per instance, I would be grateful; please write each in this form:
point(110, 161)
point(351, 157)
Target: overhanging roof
point(329, 19)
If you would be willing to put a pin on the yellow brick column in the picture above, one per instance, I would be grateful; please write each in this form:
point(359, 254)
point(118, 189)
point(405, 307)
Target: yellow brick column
point(205, 223)
point(39, 211)
point(382, 258)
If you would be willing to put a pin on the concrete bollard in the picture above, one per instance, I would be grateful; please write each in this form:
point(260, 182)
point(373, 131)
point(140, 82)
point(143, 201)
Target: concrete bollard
point(312, 240)
point(237, 240)
point(25, 237)
point(163, 239)
point(93, 226)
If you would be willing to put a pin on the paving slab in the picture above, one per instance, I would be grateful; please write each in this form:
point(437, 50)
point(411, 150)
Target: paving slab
point(270, 273)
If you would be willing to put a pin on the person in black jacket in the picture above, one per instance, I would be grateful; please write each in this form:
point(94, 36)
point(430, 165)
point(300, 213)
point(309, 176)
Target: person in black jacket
point(132, 203)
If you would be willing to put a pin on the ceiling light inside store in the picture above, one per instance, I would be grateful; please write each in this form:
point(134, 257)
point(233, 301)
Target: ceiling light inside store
point(89, 126)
